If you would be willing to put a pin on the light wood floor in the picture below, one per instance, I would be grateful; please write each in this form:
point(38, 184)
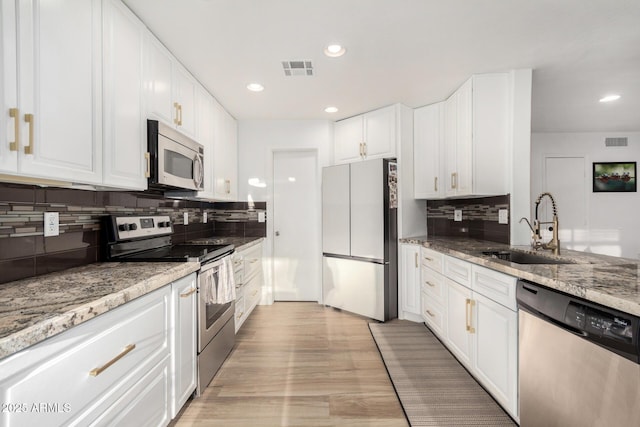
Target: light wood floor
point(299, 364)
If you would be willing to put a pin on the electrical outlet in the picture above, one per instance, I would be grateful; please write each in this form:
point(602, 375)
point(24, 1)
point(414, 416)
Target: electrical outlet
point(204, 217)
point(261, 217)
point(51, 224)
point(185, 217)
point(503, 216)
point(457, 215)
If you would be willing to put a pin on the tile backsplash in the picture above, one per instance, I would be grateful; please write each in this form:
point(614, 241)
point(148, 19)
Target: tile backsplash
point(479, 218)
point(24, 252)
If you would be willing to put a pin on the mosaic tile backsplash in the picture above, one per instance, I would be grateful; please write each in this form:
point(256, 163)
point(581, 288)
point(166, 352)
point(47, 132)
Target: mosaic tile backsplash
point(24, 252)
point(479, 218)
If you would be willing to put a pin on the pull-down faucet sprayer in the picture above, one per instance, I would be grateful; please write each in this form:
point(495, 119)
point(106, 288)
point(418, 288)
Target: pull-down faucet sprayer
point(536, 237)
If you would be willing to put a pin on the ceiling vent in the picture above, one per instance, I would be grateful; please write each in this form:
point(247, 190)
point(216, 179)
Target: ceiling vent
point(616, 142)
point(297, 68)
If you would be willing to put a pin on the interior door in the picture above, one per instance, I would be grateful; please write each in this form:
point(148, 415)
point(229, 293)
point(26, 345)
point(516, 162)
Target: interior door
point(296, 226)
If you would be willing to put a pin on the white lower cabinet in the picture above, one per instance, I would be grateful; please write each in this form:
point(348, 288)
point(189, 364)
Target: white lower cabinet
point(249, 289)
point(184, 341)
point(473, 311)
point(409, 281)
point(124, 367)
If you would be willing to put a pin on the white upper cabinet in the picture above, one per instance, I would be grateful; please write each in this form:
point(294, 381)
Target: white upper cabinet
point(55, 121)
point(428, 151)
point(124, 127)
point(225, 155)
point(205, 136)
point(476, 137)
point(170, 90)
point(368, 136)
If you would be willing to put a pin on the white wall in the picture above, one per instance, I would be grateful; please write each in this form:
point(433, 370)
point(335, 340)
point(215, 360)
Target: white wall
point(612, 227)
point(257, 140)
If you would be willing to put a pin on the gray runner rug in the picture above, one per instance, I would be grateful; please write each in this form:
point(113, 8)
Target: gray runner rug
point(434, 389)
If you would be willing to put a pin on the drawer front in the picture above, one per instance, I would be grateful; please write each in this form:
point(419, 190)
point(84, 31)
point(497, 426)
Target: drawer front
point(431, 259)
point(253, 291)
point(252, 261)
point(433, 314)
point(116, 347)
point(433, 284)
point(457, 270)
point(497, 286)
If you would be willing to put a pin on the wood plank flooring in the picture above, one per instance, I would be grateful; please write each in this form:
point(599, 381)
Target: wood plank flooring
point(299, 364)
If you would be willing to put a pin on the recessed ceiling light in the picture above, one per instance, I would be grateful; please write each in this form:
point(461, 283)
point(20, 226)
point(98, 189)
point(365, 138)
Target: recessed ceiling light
point(255, 87)
point(331, 110)
point(334, 50)
point(610, 98)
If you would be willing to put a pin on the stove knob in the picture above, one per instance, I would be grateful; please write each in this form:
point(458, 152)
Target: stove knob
point(164, 224)
point(123, 227)
point(133, 226)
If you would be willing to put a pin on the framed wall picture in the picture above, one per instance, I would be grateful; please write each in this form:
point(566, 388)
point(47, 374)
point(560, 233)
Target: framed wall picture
point(614, 177)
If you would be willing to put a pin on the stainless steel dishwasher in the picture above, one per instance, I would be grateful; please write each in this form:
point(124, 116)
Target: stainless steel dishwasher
point(578, 361)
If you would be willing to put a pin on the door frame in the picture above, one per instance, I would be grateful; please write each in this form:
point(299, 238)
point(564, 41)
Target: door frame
point(269, 298)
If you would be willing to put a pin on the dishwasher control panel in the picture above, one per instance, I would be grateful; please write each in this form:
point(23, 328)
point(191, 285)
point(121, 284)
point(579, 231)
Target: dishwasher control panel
point(598, 322)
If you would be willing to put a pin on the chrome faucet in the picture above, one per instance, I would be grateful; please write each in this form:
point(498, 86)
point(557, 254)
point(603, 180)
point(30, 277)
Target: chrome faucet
point(536, 237)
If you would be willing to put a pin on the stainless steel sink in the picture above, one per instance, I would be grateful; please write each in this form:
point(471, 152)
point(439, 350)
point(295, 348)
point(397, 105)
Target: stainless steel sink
point(524, 257)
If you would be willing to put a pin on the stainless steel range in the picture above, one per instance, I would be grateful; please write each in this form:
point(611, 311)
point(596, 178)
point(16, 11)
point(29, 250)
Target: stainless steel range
point(148, 238)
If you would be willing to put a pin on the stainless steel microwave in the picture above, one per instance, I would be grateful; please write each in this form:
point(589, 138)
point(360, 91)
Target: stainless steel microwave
point(176, 161)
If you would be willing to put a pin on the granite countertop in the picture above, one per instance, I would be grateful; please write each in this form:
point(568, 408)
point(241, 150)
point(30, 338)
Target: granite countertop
point(37, 308)
point(610, 281)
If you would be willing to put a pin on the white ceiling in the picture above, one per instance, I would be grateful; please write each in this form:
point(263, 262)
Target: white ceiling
point(415, 52)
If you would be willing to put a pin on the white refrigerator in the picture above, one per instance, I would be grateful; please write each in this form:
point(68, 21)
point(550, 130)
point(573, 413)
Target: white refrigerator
point(359, 238)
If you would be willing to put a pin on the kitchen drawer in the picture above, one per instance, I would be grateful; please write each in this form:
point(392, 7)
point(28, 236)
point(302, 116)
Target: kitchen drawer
point(240, 311)
point(433, 284)
point(433, 314)
point(457, 270)
point(252, 261)
point(253, 291)
point(431, 259)
point(75, 365)
point(497, 286)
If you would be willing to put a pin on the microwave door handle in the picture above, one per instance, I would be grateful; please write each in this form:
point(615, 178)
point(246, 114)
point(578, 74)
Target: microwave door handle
point(198, 171)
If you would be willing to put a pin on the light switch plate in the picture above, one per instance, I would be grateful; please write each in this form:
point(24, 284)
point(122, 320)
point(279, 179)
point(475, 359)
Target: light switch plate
point(185, 217)
point(204, 217)
point(261, 217)
point(51, 224)
point(457, 215)
point(503, 216)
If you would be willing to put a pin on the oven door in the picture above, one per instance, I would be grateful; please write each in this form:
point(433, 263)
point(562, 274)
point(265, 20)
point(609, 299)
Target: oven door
point(212, 317)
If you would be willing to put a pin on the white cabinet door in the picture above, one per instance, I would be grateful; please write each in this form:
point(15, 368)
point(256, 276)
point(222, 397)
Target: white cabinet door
point(464, 140)
point(59, 86)
point(458, 322)
point(184, 88)
point(427, 150)
point(367, 212)
point(158, 82)
point(336, 229)
point(496, 350)
point(225, 155)
point(183, 355)
point(450, 132)
point(410, 281)
point(124, 126)
point(348, 140)
point(205, 136)
point(10, 118)
point(380, 133)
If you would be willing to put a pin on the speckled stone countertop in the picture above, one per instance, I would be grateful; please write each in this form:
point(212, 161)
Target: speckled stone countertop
point(610, 281)
point(37, 308)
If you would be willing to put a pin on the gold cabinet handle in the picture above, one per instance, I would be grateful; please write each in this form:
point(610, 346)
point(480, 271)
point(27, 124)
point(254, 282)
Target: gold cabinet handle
point(29, 119)
point(240, 315)
point(416, 259)
point(97, 371)
point(254, 260)
point(254, 293)
point(469, 315)
point(147, 173)
point(430, 313)
point(429, 283)
point(435, 184)
point(454, 180)
point(15, 114)
point(360, 149)
point(227, 186)
point(188, 293)
point(428, 259)
point(176, 119)
point(466, 313)
point(180, 111)
point(364, 149)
